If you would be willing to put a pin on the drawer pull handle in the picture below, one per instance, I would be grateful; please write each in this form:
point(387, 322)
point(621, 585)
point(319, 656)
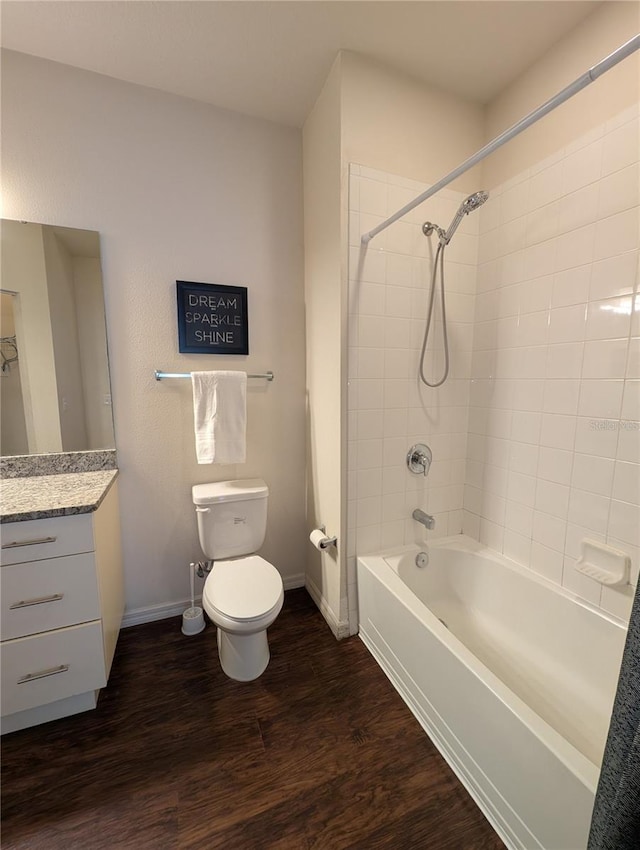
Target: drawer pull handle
point(25, 603)
point(17, 543)
point(52, 671)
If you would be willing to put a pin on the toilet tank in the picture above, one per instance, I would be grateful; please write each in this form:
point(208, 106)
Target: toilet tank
point(232, 517)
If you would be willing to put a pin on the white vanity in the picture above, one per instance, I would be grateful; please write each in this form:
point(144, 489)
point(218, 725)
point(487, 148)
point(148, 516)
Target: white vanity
point(61, 593)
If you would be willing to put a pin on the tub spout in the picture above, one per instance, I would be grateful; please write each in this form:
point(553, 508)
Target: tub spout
point(426, 519)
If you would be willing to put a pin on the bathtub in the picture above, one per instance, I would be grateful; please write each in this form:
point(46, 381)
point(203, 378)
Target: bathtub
point(511, 676)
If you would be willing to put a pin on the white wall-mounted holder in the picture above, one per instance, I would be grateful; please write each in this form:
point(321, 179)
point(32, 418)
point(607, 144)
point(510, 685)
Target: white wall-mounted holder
point(603, 563)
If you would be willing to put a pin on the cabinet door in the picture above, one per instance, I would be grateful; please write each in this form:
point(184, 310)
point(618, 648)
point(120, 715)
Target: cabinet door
point(44, 595)
point(36, 539)
point(44, 668)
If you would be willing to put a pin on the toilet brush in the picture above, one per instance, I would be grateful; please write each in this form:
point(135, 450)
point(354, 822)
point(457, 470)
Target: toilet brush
point(192, 618)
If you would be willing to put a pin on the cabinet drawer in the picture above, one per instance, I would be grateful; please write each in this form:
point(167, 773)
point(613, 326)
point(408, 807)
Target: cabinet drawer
point(44, 595)
point(44, 668)
point(37, 539)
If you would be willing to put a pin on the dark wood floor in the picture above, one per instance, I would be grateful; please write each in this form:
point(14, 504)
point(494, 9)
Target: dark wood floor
point(320, 752)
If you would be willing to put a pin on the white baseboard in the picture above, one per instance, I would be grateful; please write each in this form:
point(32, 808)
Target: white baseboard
point(339, 628)
point(137, 616)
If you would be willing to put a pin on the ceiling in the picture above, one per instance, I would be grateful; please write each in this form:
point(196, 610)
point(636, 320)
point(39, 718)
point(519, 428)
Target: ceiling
point(269, 58)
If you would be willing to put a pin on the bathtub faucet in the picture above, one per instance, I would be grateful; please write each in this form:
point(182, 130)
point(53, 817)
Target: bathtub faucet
point(426, 519)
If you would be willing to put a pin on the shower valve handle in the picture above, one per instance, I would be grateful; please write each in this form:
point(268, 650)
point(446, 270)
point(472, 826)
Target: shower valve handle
point(419, 459)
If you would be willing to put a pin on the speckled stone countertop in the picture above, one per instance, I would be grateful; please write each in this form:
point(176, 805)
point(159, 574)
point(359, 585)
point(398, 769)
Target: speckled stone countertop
point(43, 496)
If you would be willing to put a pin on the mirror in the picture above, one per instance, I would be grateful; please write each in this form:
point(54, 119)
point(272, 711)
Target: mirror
point(55, 394)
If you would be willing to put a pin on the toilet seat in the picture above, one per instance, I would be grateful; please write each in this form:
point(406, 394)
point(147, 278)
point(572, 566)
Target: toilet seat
point(243, 591)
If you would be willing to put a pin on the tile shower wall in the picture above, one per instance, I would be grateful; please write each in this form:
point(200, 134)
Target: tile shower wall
point(388, 410)
point(554, 440)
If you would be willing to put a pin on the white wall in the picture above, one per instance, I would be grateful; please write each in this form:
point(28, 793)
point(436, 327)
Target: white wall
point(177, 190)
point(325, 572)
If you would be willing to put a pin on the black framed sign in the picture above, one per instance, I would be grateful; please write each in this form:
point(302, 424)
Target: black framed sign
point(212, 319)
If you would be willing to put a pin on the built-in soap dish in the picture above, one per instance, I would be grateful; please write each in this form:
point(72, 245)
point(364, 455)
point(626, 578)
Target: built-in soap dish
point(603, 563)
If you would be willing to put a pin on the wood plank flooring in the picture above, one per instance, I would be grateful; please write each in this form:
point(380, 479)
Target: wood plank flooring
point(320, 752)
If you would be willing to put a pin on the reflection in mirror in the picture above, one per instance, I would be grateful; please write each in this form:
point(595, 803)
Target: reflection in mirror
point(55, 394)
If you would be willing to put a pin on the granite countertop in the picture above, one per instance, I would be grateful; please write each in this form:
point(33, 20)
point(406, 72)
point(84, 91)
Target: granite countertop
point(43, 496)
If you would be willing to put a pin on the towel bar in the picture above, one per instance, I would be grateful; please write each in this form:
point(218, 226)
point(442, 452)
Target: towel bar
point(160, 375)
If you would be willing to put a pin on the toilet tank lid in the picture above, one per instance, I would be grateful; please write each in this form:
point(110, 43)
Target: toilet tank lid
point(229, 491)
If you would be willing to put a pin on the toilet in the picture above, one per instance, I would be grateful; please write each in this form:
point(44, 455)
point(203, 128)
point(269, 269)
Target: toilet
point(243, 593)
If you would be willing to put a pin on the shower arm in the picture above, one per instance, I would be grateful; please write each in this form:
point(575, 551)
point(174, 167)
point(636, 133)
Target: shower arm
point(588, 77)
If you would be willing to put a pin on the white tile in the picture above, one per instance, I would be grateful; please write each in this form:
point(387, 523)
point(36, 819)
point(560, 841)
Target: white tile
point(370, 362)
point(633, 359)
point(624, 522)
point(399, 270)
point(514, 201)
point(397, 363)
point(609, 319)
point(564, 360)
point(619, 191)
point(578, 209)
point(549, 531)
point(518, 518)
point(616, 234)
point(368, 539)
point(576, 534)
point(533, 328)
point(369, 394)
point(545, 186)
point(369, 299)
point(552, 498)
point(571, 286)
point(620, 148)
point(393, 479)
point(542, 259)
point(558, 431)
point(631, 401)
point(543, 223)
point(491, 535)
point(528, 395)
point(592, 474)
point(368, 511)
point(561, 396)
point(567, 324)
point(606, 358)
point(471, 525)
point(547, 562)
point(576, 248)
point(395, 422)
point(601, 398)
point(613, 277)
point(555, 465)
point(525, 426)
point(398, 301)
point(397, 333)
point(582, 167)
point(521, 489)
point(369, 482)
point(595, 436)
point(631, 113)
point(626, 482)
point(368, 264)
point(369, 454)
point(395, 393)
point(373, 197)
point(368, 424)
point(371, 331)
point(588, 510)
point(517, 548)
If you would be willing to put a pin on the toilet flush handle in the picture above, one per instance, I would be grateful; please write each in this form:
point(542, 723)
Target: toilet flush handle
point(200, 510)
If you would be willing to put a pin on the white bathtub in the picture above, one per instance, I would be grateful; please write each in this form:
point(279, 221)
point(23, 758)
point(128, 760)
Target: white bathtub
point(515, 690)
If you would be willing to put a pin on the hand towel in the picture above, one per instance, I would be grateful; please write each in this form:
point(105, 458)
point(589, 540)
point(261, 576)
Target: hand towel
point(220, 416)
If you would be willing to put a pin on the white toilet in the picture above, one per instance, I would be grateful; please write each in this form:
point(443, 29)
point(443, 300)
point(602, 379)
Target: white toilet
point(243, 593)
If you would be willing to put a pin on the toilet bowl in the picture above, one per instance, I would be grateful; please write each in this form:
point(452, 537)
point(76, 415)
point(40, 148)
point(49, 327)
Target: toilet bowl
point(243, 597)
point(243, 593)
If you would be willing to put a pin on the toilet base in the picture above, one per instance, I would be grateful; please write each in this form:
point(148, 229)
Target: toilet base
point(243, 657)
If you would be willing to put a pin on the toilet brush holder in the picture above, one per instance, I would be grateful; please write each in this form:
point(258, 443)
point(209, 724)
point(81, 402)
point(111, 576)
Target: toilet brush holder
point(192, 618)
point(192, 621)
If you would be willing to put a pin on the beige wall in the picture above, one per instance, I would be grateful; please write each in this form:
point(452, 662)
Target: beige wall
point(394, 123)
point(611, 25)
point(177, 190)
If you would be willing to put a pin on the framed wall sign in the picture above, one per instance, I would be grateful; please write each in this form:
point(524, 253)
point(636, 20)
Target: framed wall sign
point(212, 319)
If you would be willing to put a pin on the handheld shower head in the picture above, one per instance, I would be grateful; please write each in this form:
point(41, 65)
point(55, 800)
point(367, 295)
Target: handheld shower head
point(467, 206)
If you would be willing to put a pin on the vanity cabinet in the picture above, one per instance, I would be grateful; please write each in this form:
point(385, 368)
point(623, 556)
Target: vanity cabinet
point(61, 608)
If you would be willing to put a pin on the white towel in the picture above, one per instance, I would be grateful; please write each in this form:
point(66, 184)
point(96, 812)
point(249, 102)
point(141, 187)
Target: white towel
point(220, 416)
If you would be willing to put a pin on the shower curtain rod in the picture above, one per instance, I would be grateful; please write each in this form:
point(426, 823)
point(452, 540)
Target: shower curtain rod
point(589, 76)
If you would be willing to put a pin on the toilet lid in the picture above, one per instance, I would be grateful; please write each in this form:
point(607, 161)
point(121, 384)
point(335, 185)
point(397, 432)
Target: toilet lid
point(243, 588)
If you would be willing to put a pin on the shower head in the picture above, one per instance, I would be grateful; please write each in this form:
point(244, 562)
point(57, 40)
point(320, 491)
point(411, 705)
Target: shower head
point(467, 206)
